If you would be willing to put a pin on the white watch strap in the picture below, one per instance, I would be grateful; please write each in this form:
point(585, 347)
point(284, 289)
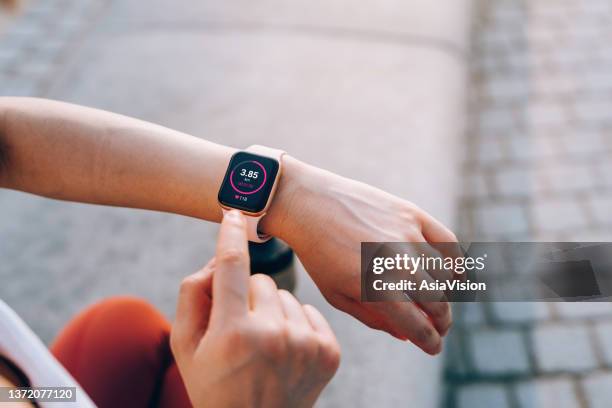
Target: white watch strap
point(252, 232)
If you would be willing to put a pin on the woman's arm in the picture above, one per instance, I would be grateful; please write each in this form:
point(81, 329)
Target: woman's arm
point(74, 153)
point(70, 152)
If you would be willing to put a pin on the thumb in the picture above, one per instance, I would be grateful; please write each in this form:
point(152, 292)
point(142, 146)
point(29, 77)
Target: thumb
point(231, 280)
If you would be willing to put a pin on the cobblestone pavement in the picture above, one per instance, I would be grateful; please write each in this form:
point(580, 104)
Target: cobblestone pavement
point(538, 167)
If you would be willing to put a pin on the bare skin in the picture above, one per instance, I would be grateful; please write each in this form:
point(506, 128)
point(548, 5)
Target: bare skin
point(234, 332)
point(74, 153)
point(5, 382)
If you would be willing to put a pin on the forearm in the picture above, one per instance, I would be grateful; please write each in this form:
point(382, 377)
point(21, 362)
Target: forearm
point(74, 153)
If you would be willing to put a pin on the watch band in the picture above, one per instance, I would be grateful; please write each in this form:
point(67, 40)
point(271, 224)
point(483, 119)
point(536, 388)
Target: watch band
point(253, 232)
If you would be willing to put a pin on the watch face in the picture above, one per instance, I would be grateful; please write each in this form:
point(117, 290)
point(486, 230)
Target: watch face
point(248, 182)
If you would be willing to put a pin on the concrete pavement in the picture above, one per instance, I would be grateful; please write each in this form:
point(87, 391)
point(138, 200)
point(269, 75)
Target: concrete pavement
point(372, 90)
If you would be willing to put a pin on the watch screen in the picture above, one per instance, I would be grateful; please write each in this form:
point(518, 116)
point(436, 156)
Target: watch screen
point(248, 182)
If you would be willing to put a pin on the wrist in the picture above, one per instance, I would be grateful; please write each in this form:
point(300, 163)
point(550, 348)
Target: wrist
point(285, 207)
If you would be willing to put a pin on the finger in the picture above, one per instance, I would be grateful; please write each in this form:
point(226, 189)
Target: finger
point(231, 282)
point(444, 240)
point(193, 307)
point(317, 321)
point(292, 309)
point(440, 314)
point(329, 354)
point(264, 297)
point(440, 236)
point(433, 302)
point(408, 321)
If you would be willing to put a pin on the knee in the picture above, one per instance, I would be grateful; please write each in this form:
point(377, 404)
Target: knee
point(124, 307)
point(128, 317)
point(124, 322)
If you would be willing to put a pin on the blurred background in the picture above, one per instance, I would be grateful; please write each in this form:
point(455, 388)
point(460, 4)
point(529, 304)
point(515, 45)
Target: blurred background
point(494, 116)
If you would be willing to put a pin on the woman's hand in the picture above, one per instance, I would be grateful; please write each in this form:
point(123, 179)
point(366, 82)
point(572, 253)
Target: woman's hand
point(239, 341)
point(325, 217)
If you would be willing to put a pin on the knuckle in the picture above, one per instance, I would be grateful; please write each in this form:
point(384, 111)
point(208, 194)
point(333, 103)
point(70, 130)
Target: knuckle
point(425, 335)
point(452, 236)
point(413, 233)
point(447, 325)
point(439, 310)
point(303, 342)
point(273, 342)
point(408, 215)
point(329, 356)
point(231, 256)
point(264, 279)
point(187, 284)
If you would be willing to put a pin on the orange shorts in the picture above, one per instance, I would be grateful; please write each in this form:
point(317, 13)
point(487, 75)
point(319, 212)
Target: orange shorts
point(119, 351)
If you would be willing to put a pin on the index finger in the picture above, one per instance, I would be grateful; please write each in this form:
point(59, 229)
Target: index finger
point(440, 237)
point(231, 280)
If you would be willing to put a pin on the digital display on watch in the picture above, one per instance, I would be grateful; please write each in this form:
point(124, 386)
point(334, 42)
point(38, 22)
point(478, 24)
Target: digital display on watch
point(248, 182)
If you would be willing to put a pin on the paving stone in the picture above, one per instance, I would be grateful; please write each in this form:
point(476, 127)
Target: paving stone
point(490, 151)
point(598, 110)
point(596, 82)
point(598, 390)
point(471, 313)
point(518, 181)
point(557, 83)
point(520, 312)
point(496, 120)
point(581, 310)
point(603, 330)
point(516, 63)
point(486, 347)
point(506, 89)
point(476, 185)
point(494, 40)
point(581, 141)
point(541, 35)
point(601, 207)
point(508, 14)
point(455, 357)
point(558, 214)
point(495, 220)
point(482, 396)
point(547, 393)
point(546, 113)
point(565, 177)
point(605, 172)
point(563, 348)
point(524, 148)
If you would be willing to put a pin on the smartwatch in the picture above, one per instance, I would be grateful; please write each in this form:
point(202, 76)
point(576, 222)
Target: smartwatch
point(249, 185)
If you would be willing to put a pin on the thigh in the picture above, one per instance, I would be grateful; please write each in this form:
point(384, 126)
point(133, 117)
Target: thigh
point(118, 350)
